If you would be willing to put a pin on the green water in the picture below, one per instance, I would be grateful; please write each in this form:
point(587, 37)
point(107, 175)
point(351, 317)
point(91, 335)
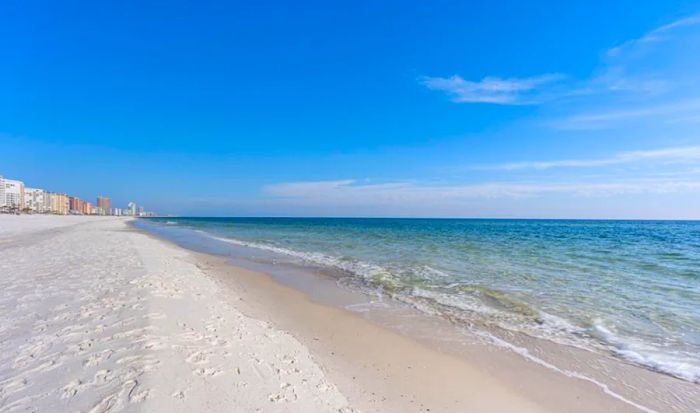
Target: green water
point(631, 287)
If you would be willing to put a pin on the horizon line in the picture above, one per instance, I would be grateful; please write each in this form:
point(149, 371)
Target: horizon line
point(425, 217)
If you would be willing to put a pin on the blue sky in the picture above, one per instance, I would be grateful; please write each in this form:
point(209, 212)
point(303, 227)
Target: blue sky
point(395, 108)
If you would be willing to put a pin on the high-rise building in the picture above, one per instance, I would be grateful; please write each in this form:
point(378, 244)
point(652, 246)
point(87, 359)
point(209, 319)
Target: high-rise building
point(63, 204)
point(104, 205)
point(14, 194)
point(51, 202)
point(131, 207)
point(87, 208)
point(75, 205)
point(35, 200)
point(2, 192)
point(58, 203)
point(141, 211)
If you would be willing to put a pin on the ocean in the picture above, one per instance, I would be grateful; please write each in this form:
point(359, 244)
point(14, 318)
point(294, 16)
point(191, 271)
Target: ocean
point(628, 289)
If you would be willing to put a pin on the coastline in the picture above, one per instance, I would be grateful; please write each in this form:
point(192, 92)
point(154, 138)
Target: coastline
point(100, 316)
point(377, 369)
point(402, 371)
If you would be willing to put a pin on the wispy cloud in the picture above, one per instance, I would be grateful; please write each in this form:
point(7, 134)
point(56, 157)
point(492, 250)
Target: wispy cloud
point(658, 34)
point(648, 79)
point(650, 64)
point(673, 111)
point(659, 64)
point(512, 91)
point(666, 155)
point(564, 191)
point(351, 192)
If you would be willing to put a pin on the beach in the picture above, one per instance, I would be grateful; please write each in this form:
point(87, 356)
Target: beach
point(97, 316)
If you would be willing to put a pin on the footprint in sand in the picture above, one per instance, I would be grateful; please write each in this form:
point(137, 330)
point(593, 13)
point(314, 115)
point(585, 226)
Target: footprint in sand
point(103, 376)
point(288, 396)
point(198, 357)
point(138, 397)
point(97, 358)
point(12, 385)
point(208, 372)
point(71, 389)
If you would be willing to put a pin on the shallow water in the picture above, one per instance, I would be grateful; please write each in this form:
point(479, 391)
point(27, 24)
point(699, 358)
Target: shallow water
point(627, 288)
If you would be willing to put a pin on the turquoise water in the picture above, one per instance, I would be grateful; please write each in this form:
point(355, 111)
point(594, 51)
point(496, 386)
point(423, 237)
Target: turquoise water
point(630, 288)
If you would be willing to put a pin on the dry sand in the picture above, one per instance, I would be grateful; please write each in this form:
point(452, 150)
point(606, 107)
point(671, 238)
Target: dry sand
point(95, 317)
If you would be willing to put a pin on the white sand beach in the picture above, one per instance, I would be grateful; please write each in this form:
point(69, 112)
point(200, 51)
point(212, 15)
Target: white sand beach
point(95, 317)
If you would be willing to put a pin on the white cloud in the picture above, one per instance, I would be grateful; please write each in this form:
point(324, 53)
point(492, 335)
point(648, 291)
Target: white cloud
point(667, 155)
point(585, 195)
point(350, 193)
point(387, 196)
point(513, 91)
point(658, 34)
point(659, 64)
point(674, 111)
point(308, 186)
point(660, 61)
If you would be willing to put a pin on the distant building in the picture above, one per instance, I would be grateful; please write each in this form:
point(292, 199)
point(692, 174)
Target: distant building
point(16, 198)
point(104, 205)
point(58, 203)
point(2, 192)
point(75, 205)
point(14, 194)
point(131, 207)
point(35, 200)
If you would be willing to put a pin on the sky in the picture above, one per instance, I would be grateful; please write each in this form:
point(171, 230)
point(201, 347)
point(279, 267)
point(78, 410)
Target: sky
point(542, 109)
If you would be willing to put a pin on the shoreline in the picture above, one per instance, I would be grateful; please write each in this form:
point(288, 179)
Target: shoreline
point(391, 373)
point(100, 315)
point(376, 368)
point(295, 310)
